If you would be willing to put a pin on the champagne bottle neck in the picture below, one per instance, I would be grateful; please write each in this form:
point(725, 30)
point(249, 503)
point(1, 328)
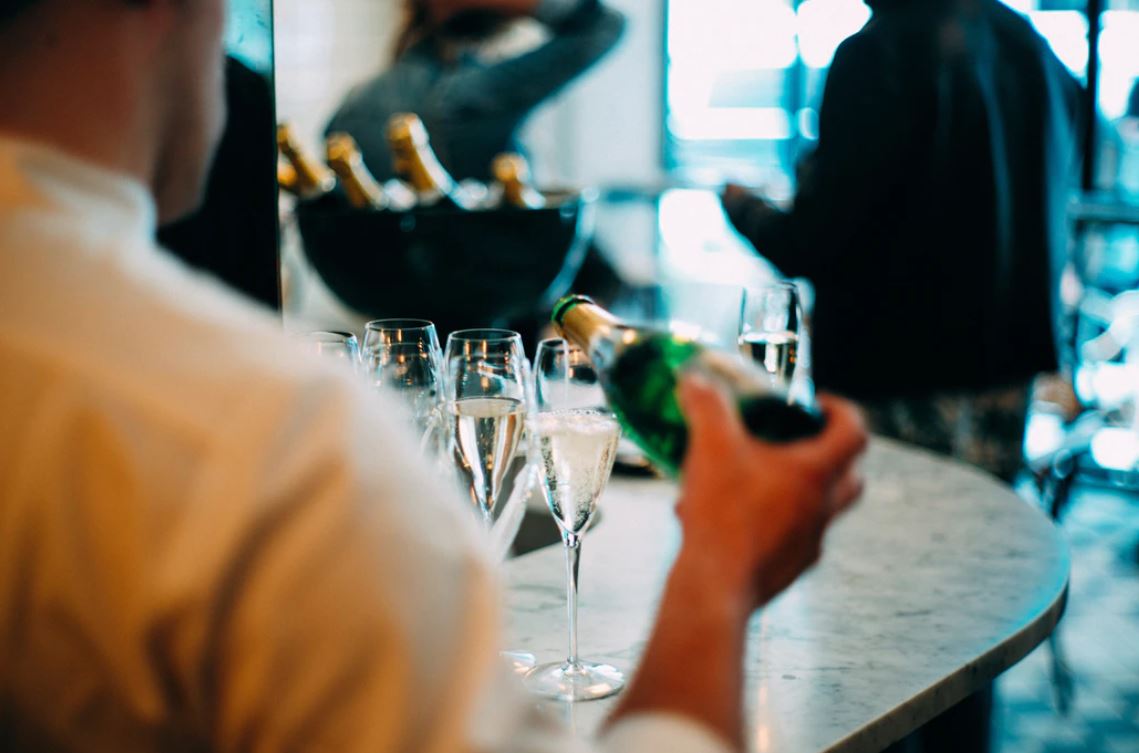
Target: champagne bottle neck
point(512, 173)
point(593, 329)
point(359, 185)
point(311, 180)
point(421, 168)
point(521, 195)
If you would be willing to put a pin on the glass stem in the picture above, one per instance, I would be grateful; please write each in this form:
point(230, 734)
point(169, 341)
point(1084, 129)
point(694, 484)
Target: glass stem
point(573, 557)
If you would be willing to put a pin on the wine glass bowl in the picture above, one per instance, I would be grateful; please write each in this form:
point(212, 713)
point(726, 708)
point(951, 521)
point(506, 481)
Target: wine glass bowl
point(390, 332)
point(486, 378)
point(334, 344)
point(402, 357)
point(772, 329)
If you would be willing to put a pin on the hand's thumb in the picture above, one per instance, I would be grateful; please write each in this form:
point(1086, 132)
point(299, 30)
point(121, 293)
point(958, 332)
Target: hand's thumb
point(713, 422)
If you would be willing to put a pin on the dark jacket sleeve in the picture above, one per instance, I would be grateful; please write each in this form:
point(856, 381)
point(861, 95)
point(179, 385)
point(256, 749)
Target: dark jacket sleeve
point(518, 85)
point(846, 181)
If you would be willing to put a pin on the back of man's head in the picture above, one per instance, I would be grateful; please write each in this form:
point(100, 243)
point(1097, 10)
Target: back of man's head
point(134, 86)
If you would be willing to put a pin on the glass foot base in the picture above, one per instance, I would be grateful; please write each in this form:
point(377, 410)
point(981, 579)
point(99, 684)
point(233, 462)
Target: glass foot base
point(580, 681)
point(520, 662)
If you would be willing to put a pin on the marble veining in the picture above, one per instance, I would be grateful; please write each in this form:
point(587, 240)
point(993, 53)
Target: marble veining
point(936, 583)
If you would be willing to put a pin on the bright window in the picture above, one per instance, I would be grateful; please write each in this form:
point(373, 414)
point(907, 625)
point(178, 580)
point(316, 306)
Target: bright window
point(745, 77)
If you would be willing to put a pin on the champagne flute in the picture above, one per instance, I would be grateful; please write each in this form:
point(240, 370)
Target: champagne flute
point(486, 390)
point(772, 329)
point(402, 357)
point(487, 386)
point(577, 436)
point(339, 345)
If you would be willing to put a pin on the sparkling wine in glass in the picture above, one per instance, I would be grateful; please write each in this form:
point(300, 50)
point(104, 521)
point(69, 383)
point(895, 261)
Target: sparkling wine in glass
point(486, 402)
point(577, 438)
point(487, 388)
point(772, 330)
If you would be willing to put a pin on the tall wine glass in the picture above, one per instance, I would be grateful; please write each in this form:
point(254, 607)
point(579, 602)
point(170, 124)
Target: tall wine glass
point(340, 345)
point(577, 436)
point(402, 357)
point(487, 386)
point(772, 330)
point(486, 402)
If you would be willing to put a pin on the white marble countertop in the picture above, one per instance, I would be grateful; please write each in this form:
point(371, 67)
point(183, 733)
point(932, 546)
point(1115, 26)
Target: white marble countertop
point(939, 581)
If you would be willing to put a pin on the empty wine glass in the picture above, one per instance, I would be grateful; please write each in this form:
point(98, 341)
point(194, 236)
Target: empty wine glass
point(772, 330)
point(577, 437)
point(402, 357)
point(340, 345)
point(486, 378)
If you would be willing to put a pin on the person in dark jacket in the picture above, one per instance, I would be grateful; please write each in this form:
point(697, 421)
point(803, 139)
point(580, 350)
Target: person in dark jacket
point(473, 107)
point(930, 220)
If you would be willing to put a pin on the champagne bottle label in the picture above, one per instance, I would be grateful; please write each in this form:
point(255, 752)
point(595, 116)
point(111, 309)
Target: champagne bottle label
point(312, 178)
point(362, 190)
point(640, 369)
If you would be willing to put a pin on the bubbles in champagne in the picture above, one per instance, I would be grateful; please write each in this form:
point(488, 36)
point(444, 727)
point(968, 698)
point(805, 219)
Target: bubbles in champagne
point(578, 448)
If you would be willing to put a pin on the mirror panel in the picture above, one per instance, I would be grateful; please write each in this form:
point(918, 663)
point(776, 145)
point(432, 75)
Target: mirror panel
point(234, 234)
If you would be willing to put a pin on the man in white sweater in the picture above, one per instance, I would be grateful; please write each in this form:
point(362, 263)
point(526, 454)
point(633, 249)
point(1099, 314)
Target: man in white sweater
point(211, 543)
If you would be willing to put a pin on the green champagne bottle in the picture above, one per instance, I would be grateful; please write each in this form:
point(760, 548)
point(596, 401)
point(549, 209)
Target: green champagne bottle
point(639, 369)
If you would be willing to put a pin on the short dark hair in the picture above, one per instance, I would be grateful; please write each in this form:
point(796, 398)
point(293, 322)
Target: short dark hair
point(468, 27)
point(10, 9)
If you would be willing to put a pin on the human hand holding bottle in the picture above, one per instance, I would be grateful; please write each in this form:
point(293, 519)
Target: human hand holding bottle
point(753, 515)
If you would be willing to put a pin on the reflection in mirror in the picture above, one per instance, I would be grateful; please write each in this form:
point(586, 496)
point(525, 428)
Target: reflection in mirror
point(234, 233)
point(429, 219)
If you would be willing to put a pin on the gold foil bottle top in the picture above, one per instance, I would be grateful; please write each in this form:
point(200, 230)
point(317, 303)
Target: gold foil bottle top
point(406, 130)
point(341, 149)
point(512, 172)
point(581, 321)
point(287, 177)
point(415, 161)
point(361, 189)
point(511, 168)
point(285, 138)
point(312, 178)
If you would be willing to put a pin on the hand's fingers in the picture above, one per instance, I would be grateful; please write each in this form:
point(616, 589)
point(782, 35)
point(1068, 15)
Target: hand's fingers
point(787, 569)
point(713, 423)
point(847, 491)
point(845, 436)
